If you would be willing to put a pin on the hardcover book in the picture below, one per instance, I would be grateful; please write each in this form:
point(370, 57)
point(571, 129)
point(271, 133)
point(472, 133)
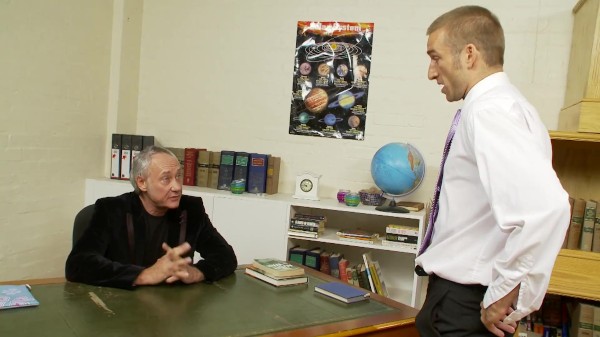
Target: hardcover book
point(179, 153)
point(136, 146)
point(334, 264)
point(115, 157)
point(147, 141)
point(202, 168)
point(325, 268)
point(313, 258)
point(213, 171)
point(16, 296)
point(587, 229)
point(574, 239)
point(257, 173)
point(277, 268)
point(596, 239)
point(297, 254)
point(276, 281)
point(226, 170)
point(304, 234)
point(125, 156)
point(342, 292)
point(190, 160)
point(345, 272)
point(412, 206)
point(368, 262)
point(273, 167)
point(240, 168)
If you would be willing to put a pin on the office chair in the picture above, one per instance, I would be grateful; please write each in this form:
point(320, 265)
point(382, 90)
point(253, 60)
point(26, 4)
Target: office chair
point(82, 221)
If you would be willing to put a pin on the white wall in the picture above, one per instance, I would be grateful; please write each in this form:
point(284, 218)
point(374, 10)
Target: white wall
point(53, 95)
point(218, 74)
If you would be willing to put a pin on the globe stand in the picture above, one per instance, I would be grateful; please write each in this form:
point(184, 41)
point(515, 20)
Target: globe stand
point(391, 207)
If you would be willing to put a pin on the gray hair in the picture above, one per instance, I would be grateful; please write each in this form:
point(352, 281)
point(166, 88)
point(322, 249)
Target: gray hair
point(141, 164)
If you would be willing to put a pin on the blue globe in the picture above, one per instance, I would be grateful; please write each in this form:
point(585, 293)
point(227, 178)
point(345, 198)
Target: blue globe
point(398, 168)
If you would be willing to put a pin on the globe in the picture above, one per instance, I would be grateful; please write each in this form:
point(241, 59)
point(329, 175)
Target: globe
point(397, 169)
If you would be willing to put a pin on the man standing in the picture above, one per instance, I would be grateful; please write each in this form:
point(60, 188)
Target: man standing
point(500, 214)
point(148, 236)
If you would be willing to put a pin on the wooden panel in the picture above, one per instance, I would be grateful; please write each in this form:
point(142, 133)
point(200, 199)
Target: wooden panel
point(583, 116)
point(583, 77)
point(577, 164)
point(576, 274)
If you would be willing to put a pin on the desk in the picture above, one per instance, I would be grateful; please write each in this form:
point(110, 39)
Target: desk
point(237, 305)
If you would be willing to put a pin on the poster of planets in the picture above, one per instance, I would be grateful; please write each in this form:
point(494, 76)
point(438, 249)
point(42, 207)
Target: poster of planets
point(331, 79)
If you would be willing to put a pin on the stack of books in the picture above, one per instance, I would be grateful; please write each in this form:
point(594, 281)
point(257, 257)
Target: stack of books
point(358, 236)
point(276, 272)
point(401, 236)
point(307, 225)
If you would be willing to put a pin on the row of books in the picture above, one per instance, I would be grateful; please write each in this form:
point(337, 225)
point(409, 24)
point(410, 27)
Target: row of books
point(218, 169)
point(402, 236)
point(307, 225)
point(124, 148)
point(367, 274)
point(584, 229)
point(562, 316)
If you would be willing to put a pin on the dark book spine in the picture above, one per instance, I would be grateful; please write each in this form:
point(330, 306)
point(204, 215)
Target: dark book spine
point(306, 228)
point(226, 170)
point(115, 157)
point(240, 169)
point(257, 173)
point(147, 141)
point(401, 238)
point(213, 171)
point(125, 157)
point(190, 159)
point(136, 146)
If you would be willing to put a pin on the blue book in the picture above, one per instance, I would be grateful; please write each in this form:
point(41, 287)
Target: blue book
point(16, 296)
point(257, 173)
point(342, 292)
point(240, 168)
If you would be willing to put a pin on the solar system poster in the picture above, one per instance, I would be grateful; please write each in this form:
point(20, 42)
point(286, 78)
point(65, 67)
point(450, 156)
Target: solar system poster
point(331, 79)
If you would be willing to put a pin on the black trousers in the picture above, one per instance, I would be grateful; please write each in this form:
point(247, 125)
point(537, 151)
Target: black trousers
point(452, 310)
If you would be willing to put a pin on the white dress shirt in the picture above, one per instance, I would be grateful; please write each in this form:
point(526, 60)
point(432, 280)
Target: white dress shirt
point(503, 213)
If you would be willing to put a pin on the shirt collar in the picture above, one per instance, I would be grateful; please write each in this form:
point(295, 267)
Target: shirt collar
point(493, 80)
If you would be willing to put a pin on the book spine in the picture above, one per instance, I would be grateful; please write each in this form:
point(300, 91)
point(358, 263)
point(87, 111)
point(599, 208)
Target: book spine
point(307, 222)
point(273, 167)
point(401, 238)
point(596, 239)
point(334, 265)
point(368, 269)
point(136, 146)
point(240, 168)
point(202, 168)
point(305, 228)
point(257, 173)
point(356, 240)
point(125, 157)
point(309, 217)
point(343, 267)
point(295, 232)
point(115, 156)
point(226, 170)
point(147, 141)
point(213, 171)
point(325, 267)
point(576, 224)
point(190, 160)
point(587, 229)
point(402, 231)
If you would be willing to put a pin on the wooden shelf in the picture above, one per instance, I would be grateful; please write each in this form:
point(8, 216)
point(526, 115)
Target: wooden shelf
point(576, 274)
point(576, 160)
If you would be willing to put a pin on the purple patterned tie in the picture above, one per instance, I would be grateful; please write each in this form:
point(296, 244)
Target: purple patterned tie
point(436, 194)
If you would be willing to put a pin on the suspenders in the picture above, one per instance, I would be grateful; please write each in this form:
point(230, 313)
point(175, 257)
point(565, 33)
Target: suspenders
point(131, 237)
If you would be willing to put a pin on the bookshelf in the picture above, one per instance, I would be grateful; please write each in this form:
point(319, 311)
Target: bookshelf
point(576, 159)
point(397, 264)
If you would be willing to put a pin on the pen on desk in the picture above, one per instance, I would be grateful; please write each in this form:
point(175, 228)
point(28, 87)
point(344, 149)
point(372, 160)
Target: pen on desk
point(28, 286)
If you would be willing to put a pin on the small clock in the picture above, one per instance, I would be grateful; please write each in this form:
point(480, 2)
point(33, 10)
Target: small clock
point(307, 186)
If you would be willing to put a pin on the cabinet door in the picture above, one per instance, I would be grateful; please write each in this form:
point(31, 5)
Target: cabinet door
point(252, 226)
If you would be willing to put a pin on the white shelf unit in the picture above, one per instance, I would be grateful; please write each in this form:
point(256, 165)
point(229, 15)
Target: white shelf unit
point(397, 263)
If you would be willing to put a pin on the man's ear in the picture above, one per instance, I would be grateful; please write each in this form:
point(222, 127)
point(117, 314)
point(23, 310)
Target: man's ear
point(471, 55)
point(141, 183)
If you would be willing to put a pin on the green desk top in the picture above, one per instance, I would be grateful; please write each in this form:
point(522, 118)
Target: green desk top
point(234, 306)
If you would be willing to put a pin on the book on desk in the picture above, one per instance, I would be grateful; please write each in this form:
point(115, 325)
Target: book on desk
point(342, 292)
point(16, 296)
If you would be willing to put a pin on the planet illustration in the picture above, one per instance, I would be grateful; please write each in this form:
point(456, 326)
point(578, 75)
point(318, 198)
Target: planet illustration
point(316, 100)
point(330, 119)
point(342, 70)
point(353, 121)
point(323, 69)
point(346, 99)
point(304, 117)
point(305, 68)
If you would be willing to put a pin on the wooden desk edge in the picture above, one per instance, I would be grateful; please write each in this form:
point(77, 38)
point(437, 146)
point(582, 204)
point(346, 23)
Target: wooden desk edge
point(31, 282)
